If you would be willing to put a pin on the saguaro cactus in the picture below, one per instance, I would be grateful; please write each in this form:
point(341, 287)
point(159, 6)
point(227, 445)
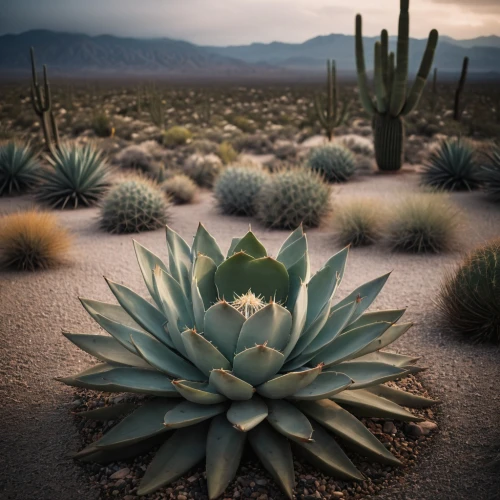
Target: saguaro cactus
point(392, 102)
point(331, 115)
point(42, 104)
point(458, 107)
point(434, 91)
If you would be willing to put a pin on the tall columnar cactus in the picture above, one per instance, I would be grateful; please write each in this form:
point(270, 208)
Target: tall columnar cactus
point(42, 104)
point(458, 107)
point(331, 115)
point(434, 91)
point(393, 102)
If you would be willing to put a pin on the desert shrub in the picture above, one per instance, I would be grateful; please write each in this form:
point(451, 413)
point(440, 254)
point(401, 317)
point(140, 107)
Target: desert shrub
point(423, 222)
point(175, 136)
point(358, 222)
point(226, 153)
point(204, 170)
point(257, 143)
point(293, 197)
point(180, 189)
point(19, 168)
point(452, 167)
point(133, 205)
point(76, 176)
point(32, 240)
point(237, 188)
point(243, 123)
point(101, 125)
point(490, 174)
point(358, 147)
point(202, 146)
point(137, 158)
point(335, 162)
point(469, 296)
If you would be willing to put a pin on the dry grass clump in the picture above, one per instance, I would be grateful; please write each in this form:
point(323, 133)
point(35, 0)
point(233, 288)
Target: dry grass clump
point(469, 299)
point(180, 188)
point(358, 222)
point(32, 240)
point(423, 222)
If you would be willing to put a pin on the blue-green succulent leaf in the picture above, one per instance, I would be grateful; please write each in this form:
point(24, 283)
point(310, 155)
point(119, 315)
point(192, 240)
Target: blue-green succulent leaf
point(204, 273)
point(205, 244)
point(187, 413)
point(368, 373)
point(198, 392)
point(268, 360)
point(289, 421)
point(285, 385)
point(245, 415)
point(325, 385)
point(231, 386)
point(179, 258)
point(251, 246)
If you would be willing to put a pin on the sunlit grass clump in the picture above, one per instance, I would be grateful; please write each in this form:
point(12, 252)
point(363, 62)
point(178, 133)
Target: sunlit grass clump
point(358, 222)
point(180, 188)
point(423, 222)
point(19, 168)
point(32, 240)
point(176, 136)
point(469, 299)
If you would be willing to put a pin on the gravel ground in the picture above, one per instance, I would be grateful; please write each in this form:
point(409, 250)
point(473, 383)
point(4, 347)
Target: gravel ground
point(37, 434)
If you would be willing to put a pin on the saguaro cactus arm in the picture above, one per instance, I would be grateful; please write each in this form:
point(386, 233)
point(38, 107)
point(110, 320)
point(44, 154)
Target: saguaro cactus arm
point(379, 77)
point(364, 92)
point(457, 111)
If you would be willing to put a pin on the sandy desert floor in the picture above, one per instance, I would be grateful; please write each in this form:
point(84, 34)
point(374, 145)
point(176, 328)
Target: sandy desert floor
point(36, 429)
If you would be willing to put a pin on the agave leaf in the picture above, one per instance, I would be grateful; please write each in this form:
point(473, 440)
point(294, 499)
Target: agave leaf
point(390, 358)
point(245, 415)
point(283, 386)
point(128, 379)
point(187, 413)
point(241, 273)
point(349, 344)
point(204, 273)
point(234, 242)
point(198, 392)
point(326, 455)
point(320, 290)
point(388, 315)
point(365, 404)
point(105, 349)
point(368, 373)
point(143, 423)
point(273, 450)
point(179, 257)
point(203, 354)
point(107, 412)
point(293, 252)
point(232, 387)
point(250, 245)
point(176, 456)
point(401, 397)
point(349, 428)
point(205, 244)
point(393, 333)
point(147, 262)
point(367, 292)
point(272, 324)
point(114, 312)
point(144, 313)
point(292, 238)
point(289, 421)
point(299, 273)
point(224, 450)
point(324, 386)
point(298, 320)
point(222, 327)
point(268, 360)
point(164, 359)
point(198, 307)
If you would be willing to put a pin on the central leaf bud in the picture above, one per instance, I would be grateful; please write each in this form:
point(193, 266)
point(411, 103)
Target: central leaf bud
point(248, 303)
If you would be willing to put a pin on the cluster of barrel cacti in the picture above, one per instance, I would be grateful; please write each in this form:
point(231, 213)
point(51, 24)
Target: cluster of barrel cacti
point(334, 162)
point(244, 348)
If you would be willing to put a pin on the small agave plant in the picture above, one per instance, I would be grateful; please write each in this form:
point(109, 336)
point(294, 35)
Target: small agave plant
point(244, 348)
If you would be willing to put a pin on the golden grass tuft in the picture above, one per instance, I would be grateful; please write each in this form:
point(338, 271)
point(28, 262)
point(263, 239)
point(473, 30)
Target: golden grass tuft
point(32, 240)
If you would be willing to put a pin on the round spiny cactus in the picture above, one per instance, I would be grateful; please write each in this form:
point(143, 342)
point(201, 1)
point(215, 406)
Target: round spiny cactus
point(19, 169)
point(490, 174)
point(334, 161)
point(452, 167)
point(293, 197)
point(204, 170)
point(470, 296)
point(237, 188)
point(180, 188)
point(134, 205)
point(239, 349)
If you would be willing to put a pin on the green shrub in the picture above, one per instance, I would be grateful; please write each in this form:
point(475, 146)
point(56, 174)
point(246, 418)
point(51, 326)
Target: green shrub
point(236, 189)
point(76, 176)
point(293, 197)
point(423, 222)
point(19, 168)
point(180, 189)
point(452, 167)
point(101, 125)
point(469, 297)
point(204, 170)
point(227, 153)
point(176, 136)
point(135, 204)
point(137, 158)
point(358, 222)
point(490, 174)
point(335, 162)
point(244, 124)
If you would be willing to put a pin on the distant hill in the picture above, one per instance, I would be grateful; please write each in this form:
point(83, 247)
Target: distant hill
point(79, 54)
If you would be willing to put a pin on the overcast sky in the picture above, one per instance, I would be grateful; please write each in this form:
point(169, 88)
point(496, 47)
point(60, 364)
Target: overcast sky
point(230, 22)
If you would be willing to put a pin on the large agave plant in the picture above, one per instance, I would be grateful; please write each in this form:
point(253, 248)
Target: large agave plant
point(244, 348)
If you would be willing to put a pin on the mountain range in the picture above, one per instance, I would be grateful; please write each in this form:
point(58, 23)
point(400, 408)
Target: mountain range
point(77, 54)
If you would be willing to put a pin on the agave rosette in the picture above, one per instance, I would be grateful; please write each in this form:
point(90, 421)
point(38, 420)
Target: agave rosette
point(244, 347)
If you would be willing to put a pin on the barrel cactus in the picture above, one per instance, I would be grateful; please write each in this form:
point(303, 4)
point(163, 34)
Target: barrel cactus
point(393, 102)
point(244, 347)
point(335, 162)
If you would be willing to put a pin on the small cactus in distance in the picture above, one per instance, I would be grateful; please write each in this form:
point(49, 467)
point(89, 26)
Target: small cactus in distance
point(458, 108)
